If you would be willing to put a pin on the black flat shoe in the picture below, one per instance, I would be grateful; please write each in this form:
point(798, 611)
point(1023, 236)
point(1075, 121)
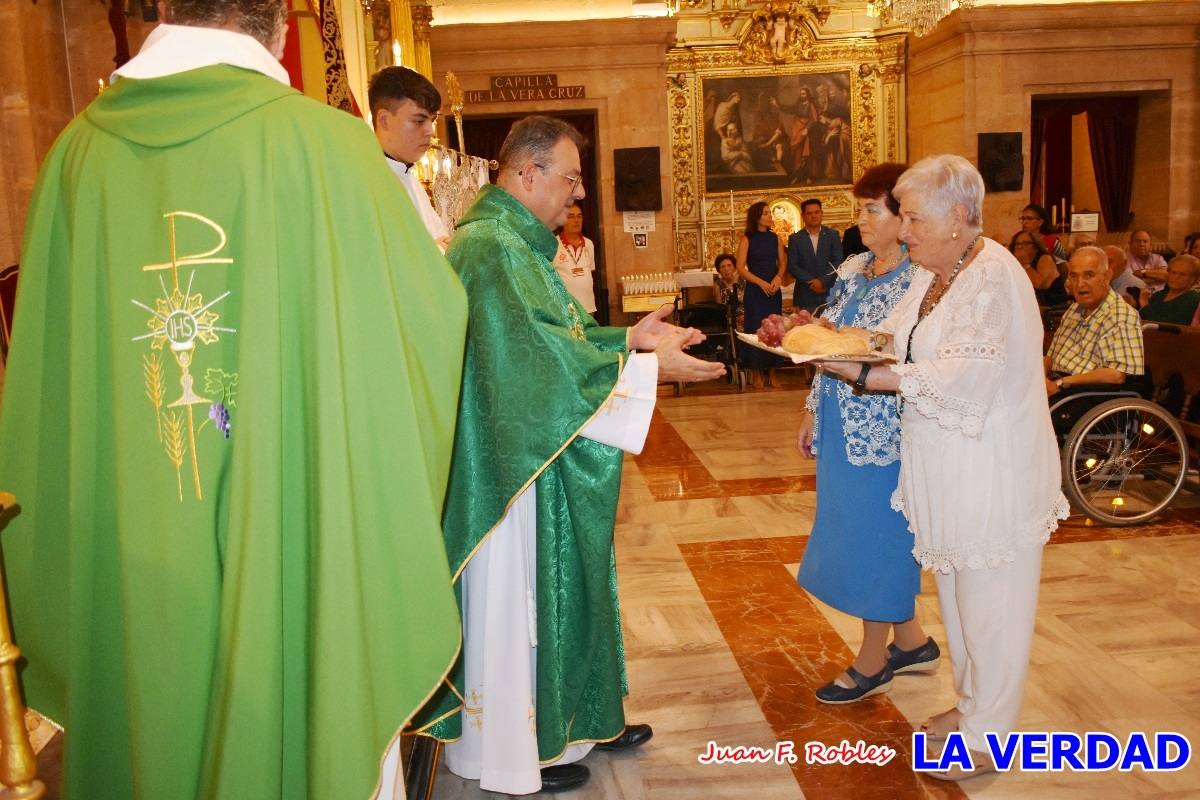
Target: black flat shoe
point(564, 777)
point(864, 686)
point(633, 736)
point(923, 659)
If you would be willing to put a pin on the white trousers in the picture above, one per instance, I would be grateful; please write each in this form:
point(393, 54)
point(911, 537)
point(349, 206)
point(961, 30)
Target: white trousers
point(989, 616)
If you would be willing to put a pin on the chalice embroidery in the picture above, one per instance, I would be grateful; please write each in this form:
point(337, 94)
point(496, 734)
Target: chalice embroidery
point(180, 321)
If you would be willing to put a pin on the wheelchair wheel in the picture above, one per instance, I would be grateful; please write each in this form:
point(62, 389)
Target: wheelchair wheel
point(1124, 461)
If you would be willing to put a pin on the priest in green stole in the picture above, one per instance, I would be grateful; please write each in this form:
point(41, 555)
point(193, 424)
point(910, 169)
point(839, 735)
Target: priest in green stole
point(228, 419)
point(549, 401)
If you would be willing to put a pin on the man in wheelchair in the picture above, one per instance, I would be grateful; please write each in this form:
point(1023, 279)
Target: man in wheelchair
point(1097, 351)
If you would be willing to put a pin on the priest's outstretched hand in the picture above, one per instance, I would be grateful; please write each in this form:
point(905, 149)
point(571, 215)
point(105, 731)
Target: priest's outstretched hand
point(676, 365)
point(646, 334)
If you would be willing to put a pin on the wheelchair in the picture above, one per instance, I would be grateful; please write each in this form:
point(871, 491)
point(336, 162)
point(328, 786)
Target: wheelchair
point(717, 322)
point(1124, 456)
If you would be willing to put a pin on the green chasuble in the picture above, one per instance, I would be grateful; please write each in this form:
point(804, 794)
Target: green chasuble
point(537, 369)
point(228, 419)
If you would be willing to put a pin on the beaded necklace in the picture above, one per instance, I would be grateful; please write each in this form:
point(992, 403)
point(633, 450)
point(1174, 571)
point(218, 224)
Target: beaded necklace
point(877, 268)
point(931, 297)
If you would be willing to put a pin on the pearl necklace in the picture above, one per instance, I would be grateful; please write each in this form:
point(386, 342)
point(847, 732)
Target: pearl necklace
point(931, 299)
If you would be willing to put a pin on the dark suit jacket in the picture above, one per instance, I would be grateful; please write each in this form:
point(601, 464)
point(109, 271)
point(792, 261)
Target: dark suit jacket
point(805, 265)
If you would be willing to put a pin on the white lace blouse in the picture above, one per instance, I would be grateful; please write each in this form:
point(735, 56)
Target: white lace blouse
point(979, 465)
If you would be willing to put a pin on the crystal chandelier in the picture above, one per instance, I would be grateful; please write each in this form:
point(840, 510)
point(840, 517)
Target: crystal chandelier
point(921, 16)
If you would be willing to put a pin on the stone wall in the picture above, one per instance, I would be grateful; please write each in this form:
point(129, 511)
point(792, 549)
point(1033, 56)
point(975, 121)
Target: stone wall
point(49, 72)
point(621, 63)
point(979, 70)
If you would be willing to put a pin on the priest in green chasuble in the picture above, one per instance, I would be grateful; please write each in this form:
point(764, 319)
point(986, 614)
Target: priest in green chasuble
point(549, 402)
point(228, 419)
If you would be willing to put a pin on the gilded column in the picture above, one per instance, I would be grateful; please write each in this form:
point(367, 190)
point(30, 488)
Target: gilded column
point(422, 18)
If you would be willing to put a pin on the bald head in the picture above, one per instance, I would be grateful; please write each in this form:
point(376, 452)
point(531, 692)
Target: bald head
point(1116, 260)
point(1088, 276)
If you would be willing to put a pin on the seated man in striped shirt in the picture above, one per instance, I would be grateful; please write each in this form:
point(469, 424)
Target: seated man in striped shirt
point(1100, 338)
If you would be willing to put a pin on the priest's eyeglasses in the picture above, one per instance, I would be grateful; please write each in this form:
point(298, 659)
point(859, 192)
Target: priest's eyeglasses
point(576, 180)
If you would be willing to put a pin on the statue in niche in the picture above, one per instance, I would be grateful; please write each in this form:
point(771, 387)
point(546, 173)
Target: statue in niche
point(381, 25)
point(779, 35)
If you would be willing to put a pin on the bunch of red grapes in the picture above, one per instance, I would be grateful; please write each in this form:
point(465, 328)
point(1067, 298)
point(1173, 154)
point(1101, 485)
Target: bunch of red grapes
point(775, 326)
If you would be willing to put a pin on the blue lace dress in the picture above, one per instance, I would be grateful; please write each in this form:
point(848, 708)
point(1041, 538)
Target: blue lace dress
point(859, 555)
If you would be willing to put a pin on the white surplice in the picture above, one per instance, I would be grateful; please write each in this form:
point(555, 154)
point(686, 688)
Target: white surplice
point(416, 192)
point(499, 741)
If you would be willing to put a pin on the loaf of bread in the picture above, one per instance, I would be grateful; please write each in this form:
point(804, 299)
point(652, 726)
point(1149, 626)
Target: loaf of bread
point(816, 340)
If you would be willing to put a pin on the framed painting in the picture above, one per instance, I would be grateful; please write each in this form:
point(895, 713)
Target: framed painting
point(777, 131)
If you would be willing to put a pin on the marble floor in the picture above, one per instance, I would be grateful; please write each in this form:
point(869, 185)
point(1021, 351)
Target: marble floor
point(723, 645)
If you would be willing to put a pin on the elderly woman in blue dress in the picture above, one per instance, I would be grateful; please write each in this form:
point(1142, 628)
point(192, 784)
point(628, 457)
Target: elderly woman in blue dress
point(979, 466)
point(859, 555)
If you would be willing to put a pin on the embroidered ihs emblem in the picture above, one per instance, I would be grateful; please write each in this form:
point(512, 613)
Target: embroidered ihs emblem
point(179, 322)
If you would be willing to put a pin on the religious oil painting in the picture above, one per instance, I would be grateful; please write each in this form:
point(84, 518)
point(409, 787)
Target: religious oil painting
point(777, 131)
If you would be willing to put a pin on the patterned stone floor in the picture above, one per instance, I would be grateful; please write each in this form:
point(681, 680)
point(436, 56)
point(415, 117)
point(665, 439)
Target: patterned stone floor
point(724, 646)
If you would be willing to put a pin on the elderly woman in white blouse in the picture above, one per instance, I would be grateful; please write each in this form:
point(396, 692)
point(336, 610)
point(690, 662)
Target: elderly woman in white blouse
point(979, 468)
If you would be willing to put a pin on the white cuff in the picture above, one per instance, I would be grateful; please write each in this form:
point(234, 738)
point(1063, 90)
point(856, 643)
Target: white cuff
point(624, 420)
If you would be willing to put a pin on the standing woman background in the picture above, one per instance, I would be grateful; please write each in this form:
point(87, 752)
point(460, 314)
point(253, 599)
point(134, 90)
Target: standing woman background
point(762, 263)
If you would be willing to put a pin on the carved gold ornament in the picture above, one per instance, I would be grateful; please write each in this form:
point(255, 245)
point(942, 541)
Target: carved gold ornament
point(775, 38)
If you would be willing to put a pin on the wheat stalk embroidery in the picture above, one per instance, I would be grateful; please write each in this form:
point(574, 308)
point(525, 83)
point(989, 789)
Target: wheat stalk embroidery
point(174, 445)
point(155, 386)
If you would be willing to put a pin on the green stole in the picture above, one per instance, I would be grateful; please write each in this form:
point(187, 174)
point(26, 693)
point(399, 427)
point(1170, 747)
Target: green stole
point(246, 601)
point(537, 369)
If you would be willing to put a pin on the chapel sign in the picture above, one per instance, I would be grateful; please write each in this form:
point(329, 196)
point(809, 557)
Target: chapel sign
point(511, 88)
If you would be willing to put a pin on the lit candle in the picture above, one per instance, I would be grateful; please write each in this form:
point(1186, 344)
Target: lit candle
point(703, 231)
point(732, 224)
point(1054, 215)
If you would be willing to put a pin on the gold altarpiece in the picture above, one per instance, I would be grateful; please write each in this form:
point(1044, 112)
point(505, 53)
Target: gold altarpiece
point(724, 40)
point(383, 33)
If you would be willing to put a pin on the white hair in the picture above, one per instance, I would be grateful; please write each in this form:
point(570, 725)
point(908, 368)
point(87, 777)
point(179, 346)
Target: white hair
point(1192, 263)
point(1098, 253)
point(945, 181)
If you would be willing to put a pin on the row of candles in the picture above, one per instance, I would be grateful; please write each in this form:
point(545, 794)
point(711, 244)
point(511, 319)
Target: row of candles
point(1059, 211)
point(652, 283)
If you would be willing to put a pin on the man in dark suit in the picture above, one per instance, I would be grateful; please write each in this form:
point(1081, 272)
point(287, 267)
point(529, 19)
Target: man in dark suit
point(813, 255)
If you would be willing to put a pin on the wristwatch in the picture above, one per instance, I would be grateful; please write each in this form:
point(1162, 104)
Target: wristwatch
point(860, 383)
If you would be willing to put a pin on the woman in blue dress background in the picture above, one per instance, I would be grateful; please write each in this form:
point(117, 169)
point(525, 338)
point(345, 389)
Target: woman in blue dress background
point(762, 263)
point(859, 555)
